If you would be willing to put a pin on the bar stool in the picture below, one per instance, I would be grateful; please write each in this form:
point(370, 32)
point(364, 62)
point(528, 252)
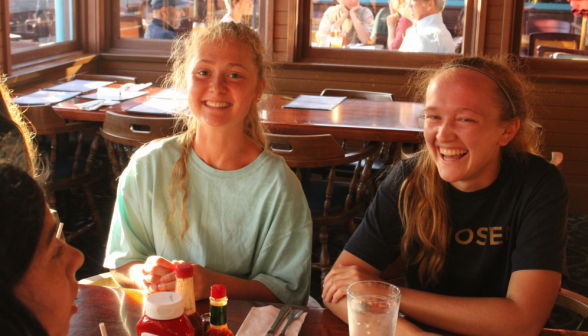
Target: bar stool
point(124, 133)
point(67, 172)
point(331, 200)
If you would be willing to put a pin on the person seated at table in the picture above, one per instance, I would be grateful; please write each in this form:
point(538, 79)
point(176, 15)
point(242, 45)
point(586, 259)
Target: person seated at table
point(397, 23)
point(37, 274)
point(348, 16)
point(477, 215)
point(428, 33)
point(16, 144)
point(236, 9)
point(167, 17)
point(214, 196)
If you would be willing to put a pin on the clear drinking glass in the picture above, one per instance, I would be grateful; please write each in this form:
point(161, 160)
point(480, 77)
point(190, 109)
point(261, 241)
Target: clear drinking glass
point(372, 308)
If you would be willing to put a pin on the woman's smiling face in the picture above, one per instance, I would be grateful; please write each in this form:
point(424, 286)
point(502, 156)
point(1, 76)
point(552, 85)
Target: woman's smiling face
point(223, 83)
point(463, 130)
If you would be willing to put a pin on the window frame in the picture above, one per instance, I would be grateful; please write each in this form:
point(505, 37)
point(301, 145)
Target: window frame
point(163, 47)
point(304, 52)
point(536, 66)
point(31, 55)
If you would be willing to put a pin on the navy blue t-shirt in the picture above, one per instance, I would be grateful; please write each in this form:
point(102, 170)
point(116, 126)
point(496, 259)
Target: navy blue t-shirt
point(516, 223)
point(156, 30)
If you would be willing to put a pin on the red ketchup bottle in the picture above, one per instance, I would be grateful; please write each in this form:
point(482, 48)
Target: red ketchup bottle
point(164, 316)
point(185, 287)
point(218, 312)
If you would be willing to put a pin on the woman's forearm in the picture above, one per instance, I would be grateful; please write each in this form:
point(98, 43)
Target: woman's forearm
point(479, 316)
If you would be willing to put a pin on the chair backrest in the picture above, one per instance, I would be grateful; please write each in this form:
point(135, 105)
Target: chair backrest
point(576, 303)
point(313, 151)
point(567, 56)
point(548, 26)
point(545, 51)
point(560, 40)
point(131, 26)
point(112, 78)
point(368, 95)
point(131, 130)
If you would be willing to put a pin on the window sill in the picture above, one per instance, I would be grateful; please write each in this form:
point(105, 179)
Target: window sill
point(51, 68)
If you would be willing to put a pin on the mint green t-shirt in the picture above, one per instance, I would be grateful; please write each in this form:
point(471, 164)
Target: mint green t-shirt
point(252, 223)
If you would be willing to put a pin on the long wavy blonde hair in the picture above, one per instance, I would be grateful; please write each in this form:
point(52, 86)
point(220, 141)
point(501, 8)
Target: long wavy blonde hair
point(184, 50)
point(423, 202)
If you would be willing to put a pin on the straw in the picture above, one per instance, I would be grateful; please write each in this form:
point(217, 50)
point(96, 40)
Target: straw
point(59, 229)
point(102, 329)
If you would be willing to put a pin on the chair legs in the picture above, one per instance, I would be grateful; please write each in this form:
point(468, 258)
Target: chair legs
point(325, 260)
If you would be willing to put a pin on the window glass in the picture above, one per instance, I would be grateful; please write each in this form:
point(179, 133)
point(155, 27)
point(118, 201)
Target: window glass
point(167, 19)
point(40, 23)
point(388, 25)
point(549, 29)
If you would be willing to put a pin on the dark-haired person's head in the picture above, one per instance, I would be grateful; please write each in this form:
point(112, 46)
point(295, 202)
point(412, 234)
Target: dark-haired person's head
point(37, 272)
point(170, 11)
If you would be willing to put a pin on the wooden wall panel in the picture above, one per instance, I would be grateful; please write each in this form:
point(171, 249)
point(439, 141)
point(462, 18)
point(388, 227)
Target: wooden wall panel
point(4, 39)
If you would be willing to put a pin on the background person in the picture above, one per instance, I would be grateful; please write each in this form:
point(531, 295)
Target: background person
point(37, 274)
point(236, 9)
point(428, 33)
point(167, 17)
point(214, 196)
point(478, 217)
point(356, 21)
point(397, 23)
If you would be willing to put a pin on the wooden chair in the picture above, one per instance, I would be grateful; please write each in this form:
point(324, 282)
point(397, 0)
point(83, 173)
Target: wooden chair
point(560, 40)
point(548, 26)
point(131, 26)
point(575, 303)
point(368, 95)
point(111, 78)
point(66, 172)
point(331, 200)
point(124, 133)
point(548, 51)
point(387, 148)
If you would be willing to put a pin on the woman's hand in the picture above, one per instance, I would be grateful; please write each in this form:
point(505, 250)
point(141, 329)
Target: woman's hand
point(392, 19)
point(340, 277)
point(353, 12)
point(203, 279)
point(148, 276)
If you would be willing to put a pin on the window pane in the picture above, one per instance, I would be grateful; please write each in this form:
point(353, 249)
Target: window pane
point(166, 19)
point(40, 23)
point(549, 29)
point(439, 23)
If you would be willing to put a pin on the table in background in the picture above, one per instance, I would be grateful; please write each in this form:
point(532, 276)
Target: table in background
point(356, 119)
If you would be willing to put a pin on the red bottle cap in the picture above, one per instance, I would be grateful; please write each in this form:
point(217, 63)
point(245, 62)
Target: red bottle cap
point(218, 291)
point(184, 270)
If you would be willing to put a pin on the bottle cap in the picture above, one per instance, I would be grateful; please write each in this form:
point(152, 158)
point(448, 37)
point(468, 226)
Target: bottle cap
point(184, 270)
point(164, 306)
point(218, 291)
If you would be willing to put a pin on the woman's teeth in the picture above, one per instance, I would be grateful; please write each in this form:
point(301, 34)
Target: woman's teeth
point(453, 154)
point(215, 104)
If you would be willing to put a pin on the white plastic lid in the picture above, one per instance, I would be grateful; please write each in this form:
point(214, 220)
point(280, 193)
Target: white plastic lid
point(164, 306)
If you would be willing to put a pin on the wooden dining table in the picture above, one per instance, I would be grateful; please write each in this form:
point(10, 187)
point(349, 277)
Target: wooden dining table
point(120, 309)
point(356, 119)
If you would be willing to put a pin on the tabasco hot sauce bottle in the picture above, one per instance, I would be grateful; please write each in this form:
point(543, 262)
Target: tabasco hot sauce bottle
point(185, 287)
point(218, 312)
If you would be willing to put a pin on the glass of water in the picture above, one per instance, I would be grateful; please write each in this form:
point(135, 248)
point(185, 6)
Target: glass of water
point(372, 308)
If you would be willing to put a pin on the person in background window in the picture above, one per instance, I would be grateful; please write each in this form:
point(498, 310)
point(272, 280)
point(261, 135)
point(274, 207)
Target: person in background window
point(356, 21)
point(478, 217)
point(37, 274)
point(395, 24)
point(236, 10)
point(167, 16)
point(428, 33)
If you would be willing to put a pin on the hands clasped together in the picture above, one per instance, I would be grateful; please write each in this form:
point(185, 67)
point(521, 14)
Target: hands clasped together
point(158, 274)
